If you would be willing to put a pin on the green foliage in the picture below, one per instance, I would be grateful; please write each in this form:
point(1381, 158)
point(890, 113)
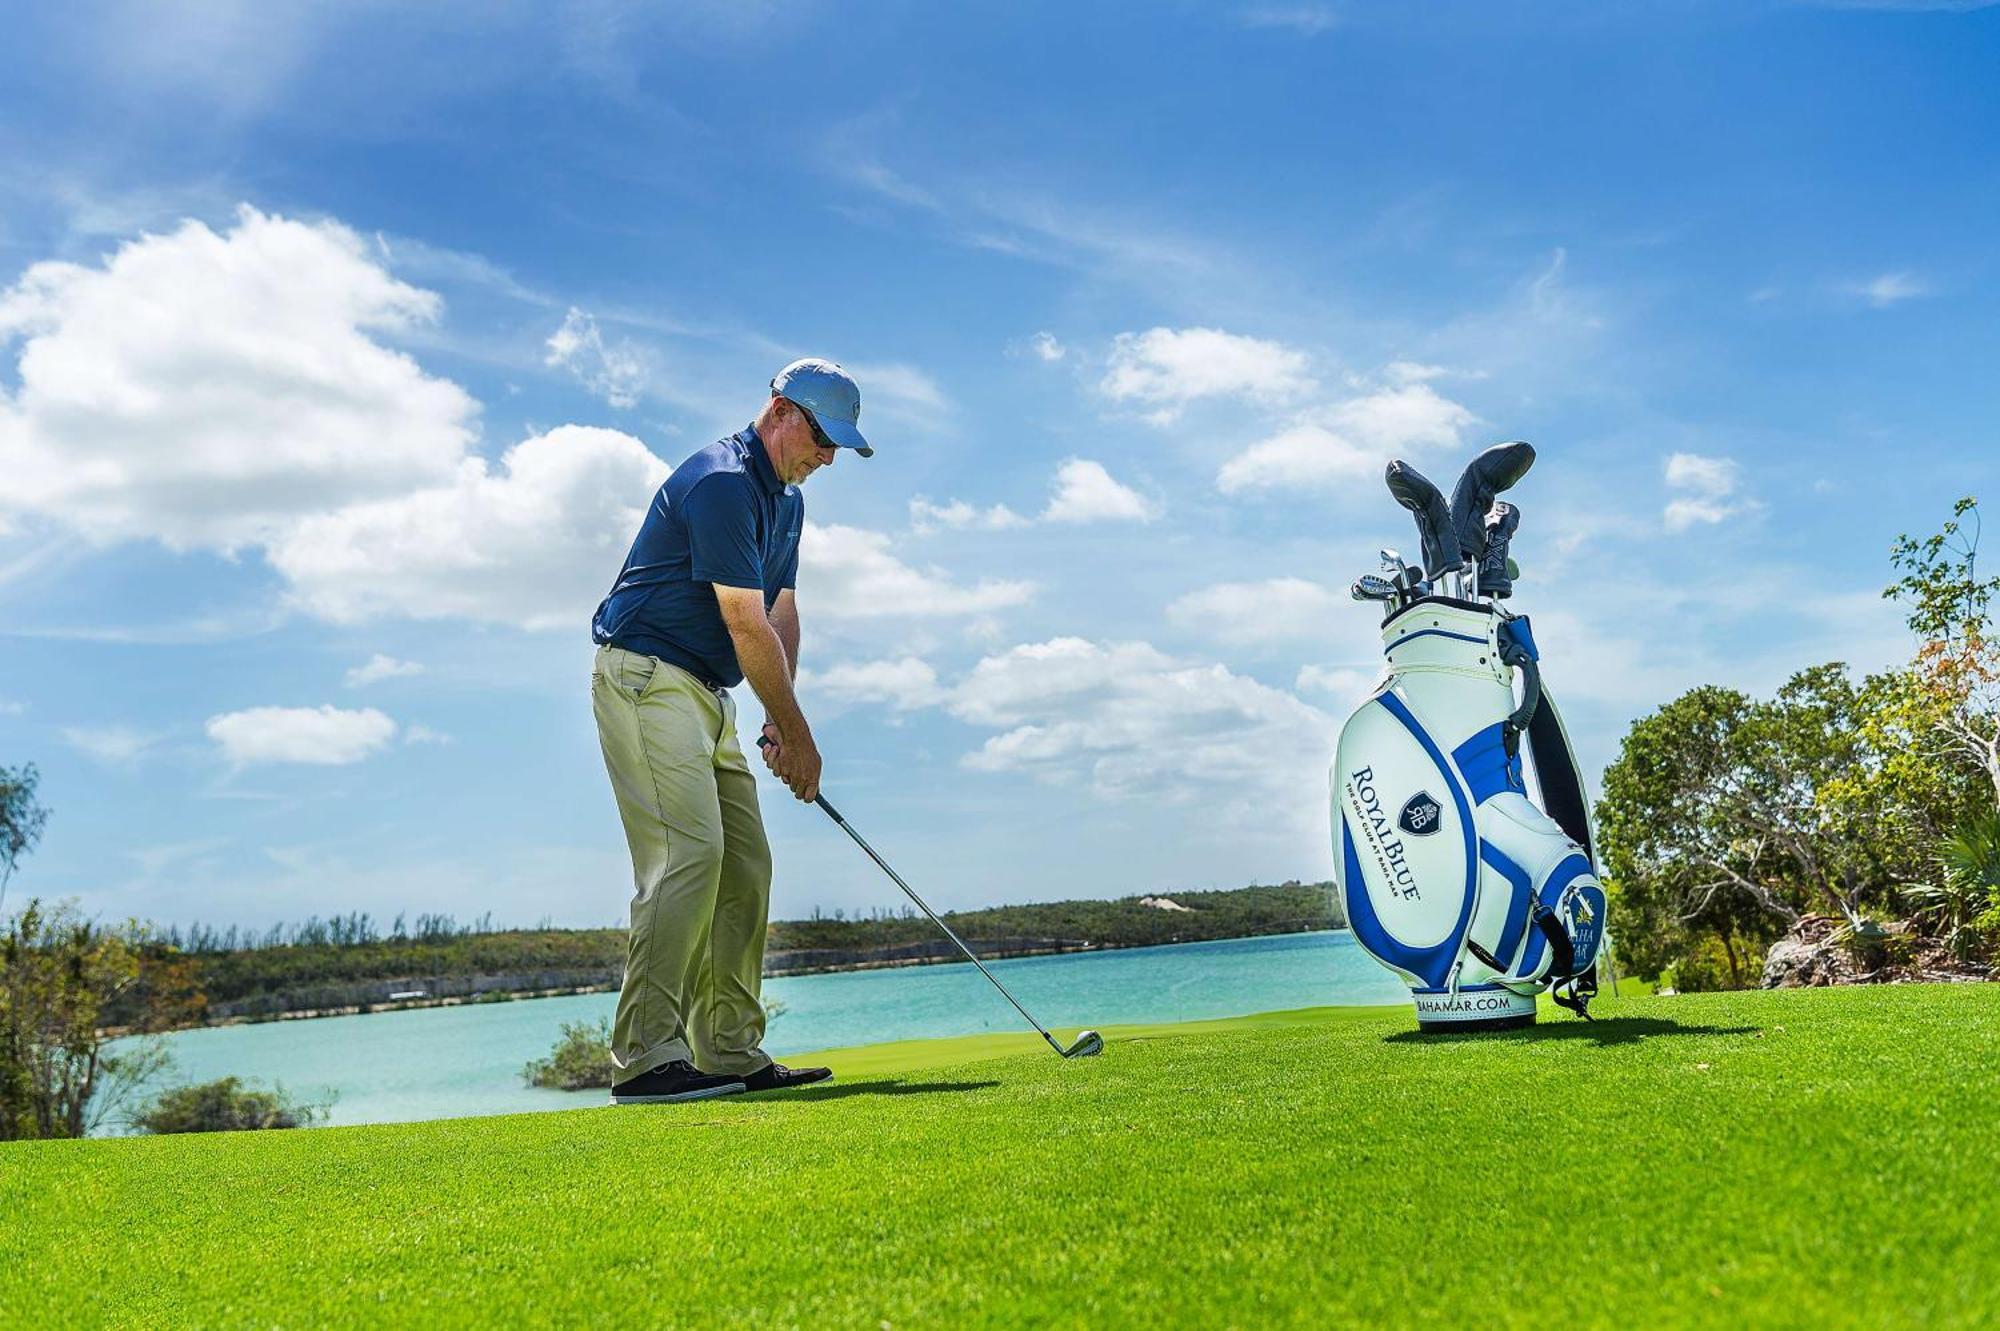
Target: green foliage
point(1950, 608)
point(1242, 912)
point(233, 968)
point(225, 1105)
point(1963, 906)
point(1940, 580)
point(580, 1061)
point(1713, 961)
point(60, 974)
point(21, 819)
point(250, 972)
point(1727, 818)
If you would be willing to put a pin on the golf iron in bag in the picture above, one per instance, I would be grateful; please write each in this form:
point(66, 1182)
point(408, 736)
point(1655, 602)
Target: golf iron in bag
point(1477, 895)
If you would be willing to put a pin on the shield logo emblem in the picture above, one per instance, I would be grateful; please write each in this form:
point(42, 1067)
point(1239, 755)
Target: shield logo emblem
point(1420, 815)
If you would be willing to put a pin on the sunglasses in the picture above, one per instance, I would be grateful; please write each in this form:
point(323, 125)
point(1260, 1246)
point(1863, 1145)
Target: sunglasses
point(820, 439)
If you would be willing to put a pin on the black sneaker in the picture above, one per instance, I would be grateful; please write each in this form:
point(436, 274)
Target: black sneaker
point(679, 1080)
point(778, 1077)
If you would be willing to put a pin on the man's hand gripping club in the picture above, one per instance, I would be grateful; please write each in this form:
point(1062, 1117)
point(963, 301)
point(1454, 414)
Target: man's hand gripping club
point(791, 754)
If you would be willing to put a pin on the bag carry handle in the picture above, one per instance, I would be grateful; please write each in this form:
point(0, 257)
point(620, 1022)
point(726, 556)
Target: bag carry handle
point(1514, 654)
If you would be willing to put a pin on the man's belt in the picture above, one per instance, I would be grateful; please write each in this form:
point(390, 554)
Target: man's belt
point(712, 685)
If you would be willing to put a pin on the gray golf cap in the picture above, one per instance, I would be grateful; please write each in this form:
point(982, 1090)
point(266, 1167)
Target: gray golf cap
point(830, 394)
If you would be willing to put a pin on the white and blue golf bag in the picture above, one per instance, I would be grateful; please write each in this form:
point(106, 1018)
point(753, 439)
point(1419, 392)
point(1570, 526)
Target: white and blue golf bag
point(1477, 895)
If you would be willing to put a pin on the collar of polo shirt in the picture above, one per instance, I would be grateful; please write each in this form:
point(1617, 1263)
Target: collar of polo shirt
point(760, 463)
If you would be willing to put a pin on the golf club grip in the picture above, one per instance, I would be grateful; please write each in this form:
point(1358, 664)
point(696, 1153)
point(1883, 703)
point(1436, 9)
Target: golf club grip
point(764, 742)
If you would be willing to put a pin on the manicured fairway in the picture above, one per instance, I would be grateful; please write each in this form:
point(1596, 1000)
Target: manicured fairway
point(1823, 1158)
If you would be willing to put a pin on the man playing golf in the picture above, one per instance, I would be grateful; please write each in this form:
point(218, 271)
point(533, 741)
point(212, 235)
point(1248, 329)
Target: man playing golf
point(706, 600)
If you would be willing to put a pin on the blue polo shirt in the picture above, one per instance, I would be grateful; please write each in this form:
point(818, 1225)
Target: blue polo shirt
point(722, 517)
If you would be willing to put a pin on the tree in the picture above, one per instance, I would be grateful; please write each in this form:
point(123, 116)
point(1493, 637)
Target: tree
point(60, 976)
point(1725, 819)
point(21, 819)
point(1958, 656)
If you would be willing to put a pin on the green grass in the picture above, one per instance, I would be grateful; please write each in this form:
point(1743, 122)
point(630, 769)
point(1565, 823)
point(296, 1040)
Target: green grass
point(1817, 1158)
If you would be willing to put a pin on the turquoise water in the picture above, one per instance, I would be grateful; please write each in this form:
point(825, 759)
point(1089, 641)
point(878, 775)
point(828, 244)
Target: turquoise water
point(390, 1067)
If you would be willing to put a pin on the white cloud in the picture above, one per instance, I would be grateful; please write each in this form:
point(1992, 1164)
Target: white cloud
point(956, 514)
point(1680, 514)
point(1167, 368)
point(1305, 453)
point(10, 707)
point(904, 683)
point(1349, 441)
point(1350, 687)
point(324, 735)
point(1085, 492)
point(902, 393)
point(1045, 347)
point(613, 373)
point(1132, 721)
point(1081, 491)
point(1276, 610)
point(1703, 488)
point(534, 542)
point(850, 573)
point(1415, 372)
point(114, 746)
point(208, 390)
point(1702, 475)
point(424, 735)
point(1892, 288)
point(1306, 20)
point(378, 668)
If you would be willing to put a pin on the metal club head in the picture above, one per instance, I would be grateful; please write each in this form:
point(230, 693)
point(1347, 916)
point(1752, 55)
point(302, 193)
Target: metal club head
point(1392, 561)
point(1368, 587)
point(1088, 1044)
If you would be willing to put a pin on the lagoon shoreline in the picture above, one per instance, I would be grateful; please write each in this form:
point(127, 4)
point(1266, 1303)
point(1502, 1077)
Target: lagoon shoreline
point(792, 963)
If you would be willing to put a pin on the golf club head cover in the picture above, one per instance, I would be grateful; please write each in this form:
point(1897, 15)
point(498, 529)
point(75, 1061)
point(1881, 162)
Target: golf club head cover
point(1501, 524)
point(1488, 475)
point(1451, 874)
point(1414, 491)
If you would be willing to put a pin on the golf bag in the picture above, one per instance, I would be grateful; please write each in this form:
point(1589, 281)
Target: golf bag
point(1451, 876)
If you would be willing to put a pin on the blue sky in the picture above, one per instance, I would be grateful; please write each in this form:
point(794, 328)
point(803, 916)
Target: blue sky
point(340, 346)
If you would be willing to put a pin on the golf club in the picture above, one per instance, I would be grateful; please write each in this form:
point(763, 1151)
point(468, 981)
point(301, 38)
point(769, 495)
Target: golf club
point(1087, 1043)
point(1485, 477)
point(1494, 564)
point(1368, 587)
point(1414, 491)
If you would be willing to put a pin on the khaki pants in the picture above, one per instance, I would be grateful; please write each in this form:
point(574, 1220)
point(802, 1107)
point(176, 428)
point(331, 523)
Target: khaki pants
point(701, 869)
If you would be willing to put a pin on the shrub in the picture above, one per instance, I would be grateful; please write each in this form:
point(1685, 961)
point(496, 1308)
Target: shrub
point(1964, 908)
point(225, 1105)
point(63, 980)
point(581, 1060)
point(1704, 968)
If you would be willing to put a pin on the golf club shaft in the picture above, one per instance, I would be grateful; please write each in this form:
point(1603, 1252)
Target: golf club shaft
point(764, 741)
point(922, 905)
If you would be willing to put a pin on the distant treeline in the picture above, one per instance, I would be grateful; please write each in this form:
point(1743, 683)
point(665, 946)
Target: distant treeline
point(352, 961)
point(1240, 912)
point(352, 930)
